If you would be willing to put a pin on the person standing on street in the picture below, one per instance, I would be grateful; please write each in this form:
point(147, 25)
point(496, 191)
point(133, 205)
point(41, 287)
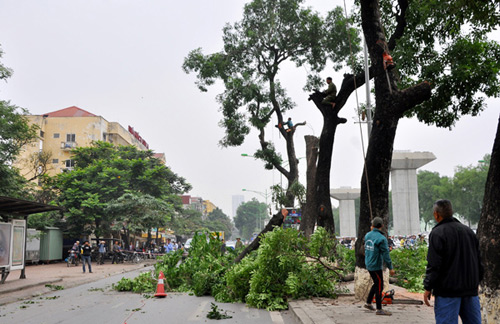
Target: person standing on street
point(102, 252)
point(86, 253)
point(116, 253)
point(454, 268)
point(239, 244)
point(170, 246)
point(377, 252)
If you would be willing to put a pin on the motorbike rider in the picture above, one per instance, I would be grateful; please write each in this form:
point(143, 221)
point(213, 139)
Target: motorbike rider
point(76, 248)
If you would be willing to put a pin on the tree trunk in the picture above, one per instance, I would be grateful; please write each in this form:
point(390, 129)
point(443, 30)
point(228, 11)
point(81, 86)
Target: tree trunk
point(324, 201)
point(391, 104)
point(489, 233)
point(309, 212)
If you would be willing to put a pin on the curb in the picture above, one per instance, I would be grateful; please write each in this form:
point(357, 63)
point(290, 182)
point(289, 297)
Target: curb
point(298, 313)
point(40, 283)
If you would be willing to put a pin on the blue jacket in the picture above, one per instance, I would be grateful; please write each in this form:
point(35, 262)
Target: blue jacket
point(376, 251)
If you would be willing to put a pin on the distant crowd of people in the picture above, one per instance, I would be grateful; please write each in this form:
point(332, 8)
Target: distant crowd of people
point(394, 242)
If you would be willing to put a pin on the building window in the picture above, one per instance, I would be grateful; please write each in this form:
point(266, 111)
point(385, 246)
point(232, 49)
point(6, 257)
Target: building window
point(56, 135)
point(42, 134)
point(54, 161)
point(70, 138)
point(70, 163)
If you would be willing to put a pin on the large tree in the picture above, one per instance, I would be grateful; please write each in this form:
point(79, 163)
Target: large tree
point(489, 238)
point(468, 190)
point(436, 60)
point(431, 187)
point(103, 173)
point(135, 212)
point(217, 221)
point(15, 132)
point(270, 35)
point(248, 217)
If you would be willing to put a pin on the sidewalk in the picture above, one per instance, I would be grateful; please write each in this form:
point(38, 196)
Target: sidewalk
point(347, 310)
point(37, 276)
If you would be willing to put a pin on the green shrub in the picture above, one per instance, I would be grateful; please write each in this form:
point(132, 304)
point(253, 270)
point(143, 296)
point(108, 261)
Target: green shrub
point(286, 265)
point(140, 284)
point(410, 265)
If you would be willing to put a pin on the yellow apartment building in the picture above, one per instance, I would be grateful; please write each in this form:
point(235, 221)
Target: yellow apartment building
point(66, 129)
point(208, 207)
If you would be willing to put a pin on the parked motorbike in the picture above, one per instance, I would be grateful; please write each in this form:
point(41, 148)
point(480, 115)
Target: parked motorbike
point(72, 258)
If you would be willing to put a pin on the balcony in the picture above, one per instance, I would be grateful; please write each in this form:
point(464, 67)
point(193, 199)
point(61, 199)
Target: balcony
point(68, 145)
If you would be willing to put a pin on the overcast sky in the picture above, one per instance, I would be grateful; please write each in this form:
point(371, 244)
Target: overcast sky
point(121, 59)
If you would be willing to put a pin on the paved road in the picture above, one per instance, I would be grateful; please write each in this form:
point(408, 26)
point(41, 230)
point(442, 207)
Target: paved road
point(96, 302)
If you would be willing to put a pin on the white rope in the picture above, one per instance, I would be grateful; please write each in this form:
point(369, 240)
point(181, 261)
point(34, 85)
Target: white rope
point(357, 112)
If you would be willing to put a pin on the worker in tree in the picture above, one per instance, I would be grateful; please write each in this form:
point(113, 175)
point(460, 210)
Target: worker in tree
point(289, 124)
point(331, 93)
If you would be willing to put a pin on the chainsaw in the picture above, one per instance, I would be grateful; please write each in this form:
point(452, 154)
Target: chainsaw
point(388, 299)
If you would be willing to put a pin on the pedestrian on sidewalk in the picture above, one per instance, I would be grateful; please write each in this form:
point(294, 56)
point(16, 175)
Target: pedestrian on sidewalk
point(170, 246)
point(116, 253)
point(102, 252)
point(377, 252)
point(454, 268)
point(86, 253)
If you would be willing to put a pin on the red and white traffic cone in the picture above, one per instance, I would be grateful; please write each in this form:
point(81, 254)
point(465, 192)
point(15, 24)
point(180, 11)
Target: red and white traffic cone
point(160, 288)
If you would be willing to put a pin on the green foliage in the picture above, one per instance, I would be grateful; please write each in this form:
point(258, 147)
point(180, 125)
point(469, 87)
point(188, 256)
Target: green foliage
point(270, 35)
point(118, 178)
point(143, 283)
point(286, 265)
point(453, 54)
point(54, 287)
point(202, 271)
point(248, 217)
point(139, 212)
point(15, 132)
point(431, 187)
point(468, 190)
point(185, 221)
point(346, 258)
point(465, 190)
point(410, 265)
point(216, 313)
point(237, 280)
point(218, 221)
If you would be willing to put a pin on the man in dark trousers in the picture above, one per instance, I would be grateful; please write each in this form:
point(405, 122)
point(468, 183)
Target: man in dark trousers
point(454, 268)
point(376, 253)
point(116, 253)
point(86, 253)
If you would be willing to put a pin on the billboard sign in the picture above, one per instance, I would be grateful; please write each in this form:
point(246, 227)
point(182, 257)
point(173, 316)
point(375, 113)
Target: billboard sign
point(5, 235)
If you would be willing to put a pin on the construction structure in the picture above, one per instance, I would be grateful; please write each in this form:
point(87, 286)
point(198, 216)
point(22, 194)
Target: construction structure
point(347, 211)
point(405, 208)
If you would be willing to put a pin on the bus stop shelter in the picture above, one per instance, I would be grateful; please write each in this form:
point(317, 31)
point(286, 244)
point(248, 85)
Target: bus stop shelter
point(19, 209)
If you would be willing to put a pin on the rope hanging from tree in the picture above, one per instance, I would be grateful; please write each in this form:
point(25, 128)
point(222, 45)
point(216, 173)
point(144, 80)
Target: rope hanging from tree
point(357, 111)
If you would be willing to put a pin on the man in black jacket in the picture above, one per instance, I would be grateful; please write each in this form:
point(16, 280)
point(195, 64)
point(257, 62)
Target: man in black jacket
point(454, 268)
point(86, 254)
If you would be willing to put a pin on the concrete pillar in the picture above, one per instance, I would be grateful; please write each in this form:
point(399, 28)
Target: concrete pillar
point(405, 209)
point(346, 196)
